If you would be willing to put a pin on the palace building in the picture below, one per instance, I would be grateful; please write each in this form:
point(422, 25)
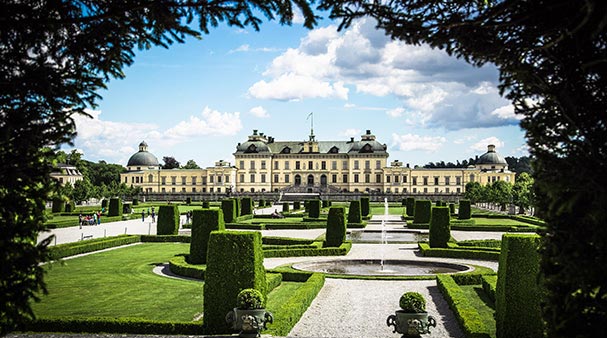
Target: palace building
point(263, 164)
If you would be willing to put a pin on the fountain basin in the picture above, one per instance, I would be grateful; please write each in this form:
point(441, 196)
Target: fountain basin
point(373, 267)
point(391, 236)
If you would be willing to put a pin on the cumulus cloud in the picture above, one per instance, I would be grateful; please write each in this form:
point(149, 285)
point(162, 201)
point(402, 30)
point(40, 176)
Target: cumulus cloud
point(396, 112)
point(247, 48)
point(438, 90)
point(117, 141)
point(293, 87)
point(351, 132)
point(259, 111)
point(481, 146)
point(410, 142)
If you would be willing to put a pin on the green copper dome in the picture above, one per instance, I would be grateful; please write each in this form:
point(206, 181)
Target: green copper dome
point(143, 158)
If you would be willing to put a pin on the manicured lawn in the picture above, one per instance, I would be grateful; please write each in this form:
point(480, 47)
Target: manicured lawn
point(286, 220)
point(499, 221)
point(391, 210)
point(483, 304)
point(120, 283)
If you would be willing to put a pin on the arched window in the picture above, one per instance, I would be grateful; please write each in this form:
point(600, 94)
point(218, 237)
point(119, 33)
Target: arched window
point(310, 180)
point(150, 178)
point(297, 180)
point(323, 180)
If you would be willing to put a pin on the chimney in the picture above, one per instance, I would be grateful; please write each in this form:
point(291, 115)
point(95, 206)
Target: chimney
point(368, 131)
point(351, 139)
point(491, 148)
point(407, 165)
point(254, 131)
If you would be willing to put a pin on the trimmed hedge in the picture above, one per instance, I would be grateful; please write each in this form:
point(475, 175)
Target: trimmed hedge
point(440, 232)
point(179, 265)
point(205, 204)
point(451, 252)
point(70, 206)
point(489, 283)
point(517, 289)
point(464, 210)
point(365, 206)
point(296, 205)
point(188, 200)
point(112, 325)
point(228, 206)
point(470, 321)
point(336, 227)
point(115, 208)
point(126, 208)
point(288, 251)
point(234, 263)
point(290, 312)
point(452, 208)
point(104, 203)
point(237, 206)
point(325, 203)
point(168, 220)
point(354, 214)
point(135, 201)
point(313, 208)
point(246, 206)
point(410, 206)
point(422, 211)
point(203, 222)
point(285, 207)
point(166, 239)
point(90, 245)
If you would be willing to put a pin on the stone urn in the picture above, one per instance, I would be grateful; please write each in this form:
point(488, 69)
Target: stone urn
point(411, 320)
point(249, 317)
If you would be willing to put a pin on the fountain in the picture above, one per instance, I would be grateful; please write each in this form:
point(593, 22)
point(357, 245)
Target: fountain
point(383, 266)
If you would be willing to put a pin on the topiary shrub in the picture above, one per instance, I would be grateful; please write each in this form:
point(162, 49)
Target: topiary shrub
point(188, 200)
point(404, 202)
point(452, 208)
point(238, 206)
point(246, 206)
point(250, 299)
point(261, 203)
point(464, 209)
point(440, 229)
point(354, 214)
point(135, 201)
point(203, 223)
point(115, 207)
point(70, 206)
point(412, 302)
point(365, 206)
point(104, 203)
point(126, 208)
point(285, 206)
point(325, 203)
point(314, 208)
point(168, 220)
point(422, 211)
point(410, 206)
point(228, 206)
point(58, 204)
point(234, 263)
point(336, 227)
point(296, 205)
point(205, 204)
point(518, 292)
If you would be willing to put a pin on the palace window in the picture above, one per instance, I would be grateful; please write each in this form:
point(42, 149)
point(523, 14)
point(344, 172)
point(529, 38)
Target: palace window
point(227, 179)
point(219, 179)
point(425, 181)
point(458, 180)
point(263, 178)
point(241, 178)
point(275, 178)
point(252, 165)
point(323, 165)
point(183, 180)
point(252, 178)
point(310, 165)
point(344, 165)
point(211, 179)
point(378, 164)
point(367, 178)
point(395, 178)
point(286, 178)
point(367, 164)
point(378, 178)
point(275, 165)
point(333, 165)
point(447, 180)
point(414, 180)
point(263, 164)
point(297, 165)
point(287, 165)
point(388, 179)
point(345, 178)
point(173, 180)
point(355, 178)
point(333, 178)
point(241, 164)
point(150, 178)
point(435, 180)
point(204, 180)
point(193, 180)
point(356, 165)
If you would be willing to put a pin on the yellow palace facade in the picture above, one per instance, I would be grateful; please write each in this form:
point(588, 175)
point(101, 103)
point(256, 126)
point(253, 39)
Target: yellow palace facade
point(263, 164)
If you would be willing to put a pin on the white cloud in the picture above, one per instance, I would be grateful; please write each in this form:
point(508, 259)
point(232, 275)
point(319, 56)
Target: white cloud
point(410, 142)
point(259, 111)
point(506, 113)
point(351, 132)
point(290, 87)
point(211, 122)
point(241, 48)
point(247, 48)
point(443, 91)
point(481, 146)
point(117, 141)
point(396, 112)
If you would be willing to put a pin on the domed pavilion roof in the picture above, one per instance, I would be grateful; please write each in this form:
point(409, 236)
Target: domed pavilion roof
point(491, 157)
point(143, 158)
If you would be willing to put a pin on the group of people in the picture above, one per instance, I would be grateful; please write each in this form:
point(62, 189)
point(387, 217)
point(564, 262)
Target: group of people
point(151, 212)
point(92, 219)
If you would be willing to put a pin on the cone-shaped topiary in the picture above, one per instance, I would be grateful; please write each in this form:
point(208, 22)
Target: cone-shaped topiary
point(464, 209)
point(314, 208)
point(365, 206)
point(354, 214)
point(296, 205)
point(422, 211)
point(228, 206)
point(246, 206)
point(168, 220)
point(203, 222)
point(115, 207)
point(285, 206)
point(440, 230)
point(410, 206)
point(336, 227)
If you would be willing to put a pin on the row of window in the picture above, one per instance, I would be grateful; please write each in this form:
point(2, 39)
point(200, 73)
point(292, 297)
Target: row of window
point(194, 179)
point(310, 165)
point(219, 190)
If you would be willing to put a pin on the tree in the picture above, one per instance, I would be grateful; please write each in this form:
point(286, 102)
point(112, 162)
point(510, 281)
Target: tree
point(191, 164)
point(474, 192)
point(551, 60)
point(501, 193)
point(522, 192)
point(170, 163)
point(55, 56)
point(83, 190)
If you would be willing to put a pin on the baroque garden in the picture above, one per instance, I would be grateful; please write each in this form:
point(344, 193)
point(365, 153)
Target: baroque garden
point(347, 222)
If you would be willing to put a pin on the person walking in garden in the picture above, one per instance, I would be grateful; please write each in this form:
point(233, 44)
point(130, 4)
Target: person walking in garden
point(153, 215)
point(99, 218)
point(143, 215)
point(94, 218)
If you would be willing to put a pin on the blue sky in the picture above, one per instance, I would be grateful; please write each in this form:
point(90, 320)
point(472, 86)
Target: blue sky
point(198, 100)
